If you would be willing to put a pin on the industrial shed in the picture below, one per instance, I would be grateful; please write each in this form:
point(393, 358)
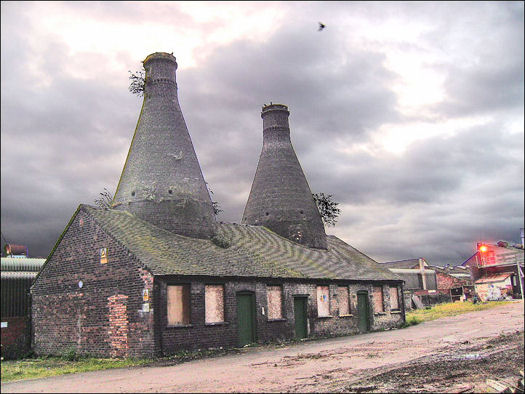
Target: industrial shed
point(18, 274)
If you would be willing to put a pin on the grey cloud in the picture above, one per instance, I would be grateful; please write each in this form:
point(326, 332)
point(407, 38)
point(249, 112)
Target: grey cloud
point(438, 199)
point(434, 201)
point(430, 170)
point(489, 77)
point(327, 96)
point(62, 143)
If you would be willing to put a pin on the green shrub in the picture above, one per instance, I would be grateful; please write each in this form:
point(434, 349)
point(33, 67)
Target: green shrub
point(221, 241)
point(411, 321)
point(71, 355)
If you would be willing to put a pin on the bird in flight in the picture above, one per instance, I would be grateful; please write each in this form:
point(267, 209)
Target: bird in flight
point(321, 26)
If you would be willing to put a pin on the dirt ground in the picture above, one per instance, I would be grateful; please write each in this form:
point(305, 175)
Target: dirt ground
point(455, 354)
point(462, 367)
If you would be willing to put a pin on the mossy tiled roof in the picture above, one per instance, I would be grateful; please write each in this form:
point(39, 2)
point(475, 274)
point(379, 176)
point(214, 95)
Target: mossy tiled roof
point(254, 251)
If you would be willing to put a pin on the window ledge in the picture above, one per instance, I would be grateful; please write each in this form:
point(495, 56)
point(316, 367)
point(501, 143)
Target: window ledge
point(324, 317)
point(380, 313)
point(219, 323)
point(180, 326)
point(350, 315)
point(279, 319)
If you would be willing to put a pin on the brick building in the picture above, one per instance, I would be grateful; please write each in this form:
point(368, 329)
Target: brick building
point(432, 284)
point(420, 287)
point(496, 269)
point(156, 273)
point(454, 282)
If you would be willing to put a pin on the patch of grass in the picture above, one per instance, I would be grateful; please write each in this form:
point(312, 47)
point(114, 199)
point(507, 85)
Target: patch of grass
point(32, 368)
point(72, 362)
point(449, 309)
point(411, 321)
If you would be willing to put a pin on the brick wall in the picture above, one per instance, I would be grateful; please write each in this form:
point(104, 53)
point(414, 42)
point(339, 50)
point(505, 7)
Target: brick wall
point(104, 316)
point(15, 337)
point(198, 335)
point(446, 282)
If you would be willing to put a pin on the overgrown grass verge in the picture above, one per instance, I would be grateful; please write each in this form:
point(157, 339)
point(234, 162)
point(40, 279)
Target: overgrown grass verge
point(72, 362)
point(32, 368)
point(449, 309)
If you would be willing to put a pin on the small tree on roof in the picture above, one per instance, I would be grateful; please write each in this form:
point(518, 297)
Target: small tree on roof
point(136, 86)
point(327, 208)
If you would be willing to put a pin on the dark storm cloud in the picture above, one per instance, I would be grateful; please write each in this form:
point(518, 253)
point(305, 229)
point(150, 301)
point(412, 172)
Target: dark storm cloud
point(430, 170)
point(61, 138)
point(491, 77)
point(65, 136)
point(437, 199)
point(330, 94)
point(485, 89)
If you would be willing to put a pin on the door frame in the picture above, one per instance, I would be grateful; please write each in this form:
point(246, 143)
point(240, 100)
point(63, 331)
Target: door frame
point(254, 313)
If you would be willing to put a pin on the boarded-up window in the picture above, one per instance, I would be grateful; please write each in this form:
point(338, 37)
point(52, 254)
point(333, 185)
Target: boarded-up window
point(275, 302)
point(178, 305)
point(323, 301)
point(378, 299)
point(214, 303)
point(394, 301)
point(343, 301)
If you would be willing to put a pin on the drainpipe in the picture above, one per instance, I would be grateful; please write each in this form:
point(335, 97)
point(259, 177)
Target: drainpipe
point(403, 311)
point(520, 274)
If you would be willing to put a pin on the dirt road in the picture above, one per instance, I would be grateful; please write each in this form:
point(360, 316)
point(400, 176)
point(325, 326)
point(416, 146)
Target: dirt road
point(337, 364)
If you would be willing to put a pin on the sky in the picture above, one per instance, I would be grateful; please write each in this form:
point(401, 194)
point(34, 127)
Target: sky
point(410, 114)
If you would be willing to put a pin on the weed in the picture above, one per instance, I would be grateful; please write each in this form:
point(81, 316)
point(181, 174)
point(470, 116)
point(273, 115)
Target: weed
point(411, 321)
point(448, 309)
point(221, 241)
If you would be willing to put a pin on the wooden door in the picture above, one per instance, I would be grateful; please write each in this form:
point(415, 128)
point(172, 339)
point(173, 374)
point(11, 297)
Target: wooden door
point(363, 309)
point(299, 307)
point(246, 318)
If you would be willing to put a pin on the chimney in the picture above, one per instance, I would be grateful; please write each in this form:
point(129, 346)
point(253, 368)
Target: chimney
point(280, 198)
point(423, 277)
point(162, 181)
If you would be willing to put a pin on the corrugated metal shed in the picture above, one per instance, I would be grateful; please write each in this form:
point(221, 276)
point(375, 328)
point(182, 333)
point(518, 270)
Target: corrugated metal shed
point(27, 264)
point(414, 280)
point(17, 276)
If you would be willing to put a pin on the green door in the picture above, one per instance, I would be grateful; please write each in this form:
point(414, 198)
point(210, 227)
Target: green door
point(363, 309)
point(246, 318)
point(299, 310)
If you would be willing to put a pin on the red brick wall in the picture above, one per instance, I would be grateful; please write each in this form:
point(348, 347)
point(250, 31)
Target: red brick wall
point(105, 316)
point(15, 337)
point(446, 282)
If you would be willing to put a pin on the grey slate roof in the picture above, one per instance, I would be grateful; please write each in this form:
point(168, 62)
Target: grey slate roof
point(254, 251)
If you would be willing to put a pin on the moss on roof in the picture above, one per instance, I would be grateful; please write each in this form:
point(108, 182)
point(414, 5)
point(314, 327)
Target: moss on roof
point(254, 251)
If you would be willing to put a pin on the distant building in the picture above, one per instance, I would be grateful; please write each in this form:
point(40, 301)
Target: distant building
point(496, 270)
point(431, 284)
point(16, 251)
point(454, 282)
point(420, 281)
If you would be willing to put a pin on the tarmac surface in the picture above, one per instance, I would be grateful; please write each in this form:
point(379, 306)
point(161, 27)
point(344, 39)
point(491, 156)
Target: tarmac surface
point(382, 360)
